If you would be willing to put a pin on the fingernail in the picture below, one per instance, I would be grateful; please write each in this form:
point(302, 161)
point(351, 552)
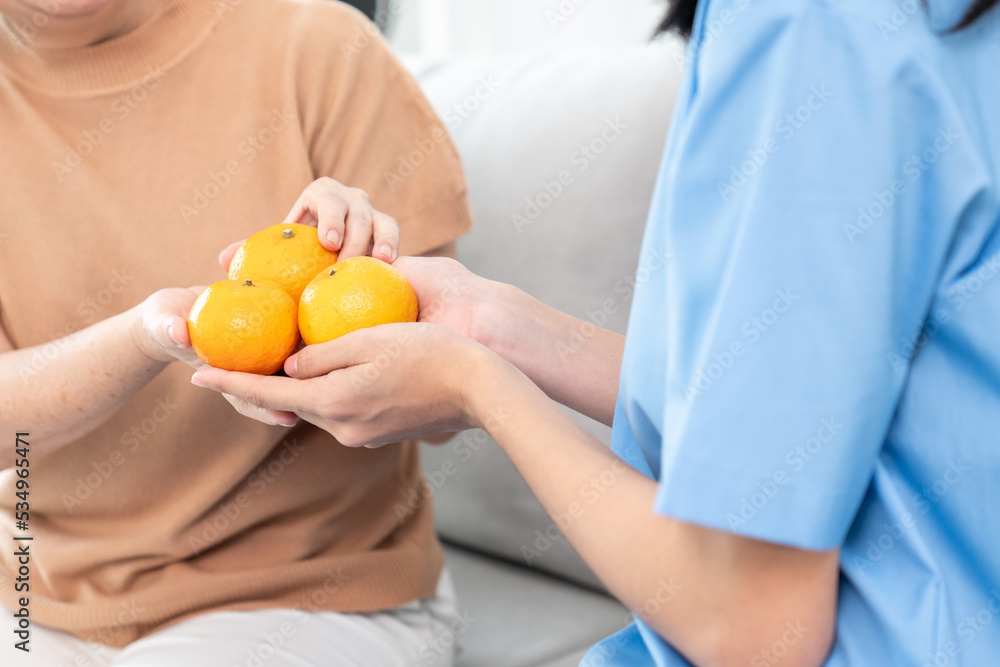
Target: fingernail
point(333, 236)
point(172, 337)
point(385, 250)
point(293, 366)
point(196, 381)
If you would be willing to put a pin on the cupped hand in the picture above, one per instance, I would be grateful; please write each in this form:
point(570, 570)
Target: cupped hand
point(345, 221)
point(371, 387)
point(448, 293)
point(161, 333)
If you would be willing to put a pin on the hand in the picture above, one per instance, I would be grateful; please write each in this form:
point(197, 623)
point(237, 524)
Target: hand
point(345, 221)
point(371, 387)
point(449, 294)
point(161, 333)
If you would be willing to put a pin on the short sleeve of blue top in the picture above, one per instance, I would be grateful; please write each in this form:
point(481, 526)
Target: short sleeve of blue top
point(813, 356)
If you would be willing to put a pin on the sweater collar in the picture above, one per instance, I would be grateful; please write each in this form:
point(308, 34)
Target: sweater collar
point(118, 63)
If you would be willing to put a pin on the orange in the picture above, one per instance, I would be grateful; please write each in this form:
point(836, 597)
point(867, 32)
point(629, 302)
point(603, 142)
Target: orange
point(287, 255)
point(354, 294)
point(244, 326)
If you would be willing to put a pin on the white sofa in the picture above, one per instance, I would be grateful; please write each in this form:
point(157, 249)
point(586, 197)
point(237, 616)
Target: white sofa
point(561, 152)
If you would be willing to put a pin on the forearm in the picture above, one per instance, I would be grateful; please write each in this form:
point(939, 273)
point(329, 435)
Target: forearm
point(62, 390)
point(716, 604)
point(575, 362)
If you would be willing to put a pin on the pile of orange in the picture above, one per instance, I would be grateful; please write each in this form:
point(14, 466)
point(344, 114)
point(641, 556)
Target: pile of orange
point(282, 282)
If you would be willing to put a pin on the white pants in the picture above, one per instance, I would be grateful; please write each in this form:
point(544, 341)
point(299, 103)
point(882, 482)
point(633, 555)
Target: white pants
point(418, 634)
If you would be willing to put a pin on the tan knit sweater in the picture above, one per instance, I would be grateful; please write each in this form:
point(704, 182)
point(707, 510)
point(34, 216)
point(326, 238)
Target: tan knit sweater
point(125, 168)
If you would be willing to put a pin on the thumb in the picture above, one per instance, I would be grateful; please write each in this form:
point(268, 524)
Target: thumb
point(170, 332)
point(316, 360)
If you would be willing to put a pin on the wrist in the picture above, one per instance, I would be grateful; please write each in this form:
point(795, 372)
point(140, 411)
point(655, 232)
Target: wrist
point(495, 321)
point(487, 386)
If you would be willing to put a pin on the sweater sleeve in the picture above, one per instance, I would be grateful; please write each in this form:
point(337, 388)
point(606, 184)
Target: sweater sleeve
point(369, 126)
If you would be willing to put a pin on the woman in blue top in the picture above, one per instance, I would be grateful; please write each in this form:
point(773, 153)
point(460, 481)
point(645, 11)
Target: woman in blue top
point(809, 393)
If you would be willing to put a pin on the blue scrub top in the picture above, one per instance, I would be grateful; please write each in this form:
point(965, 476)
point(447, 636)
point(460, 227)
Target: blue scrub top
point(813, 356)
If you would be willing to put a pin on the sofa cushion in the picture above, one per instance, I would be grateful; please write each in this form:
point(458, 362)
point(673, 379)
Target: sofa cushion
point(515, 617)
point(561, 152)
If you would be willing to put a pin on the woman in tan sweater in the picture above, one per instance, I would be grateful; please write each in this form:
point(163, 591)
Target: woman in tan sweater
point(137, 139)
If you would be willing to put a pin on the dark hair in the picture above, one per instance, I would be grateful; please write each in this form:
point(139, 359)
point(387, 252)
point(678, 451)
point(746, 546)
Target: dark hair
point(680, 16)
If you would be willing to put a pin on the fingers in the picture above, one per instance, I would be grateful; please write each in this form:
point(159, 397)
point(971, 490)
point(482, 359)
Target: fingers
point(265, 416)
point(226, 256)
point(177, 332)
point(266, 392)
point(169, 332)
point(386, 237)
point(317, 360)
point(331, 213)
point(345, 220)
point(360, 223)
